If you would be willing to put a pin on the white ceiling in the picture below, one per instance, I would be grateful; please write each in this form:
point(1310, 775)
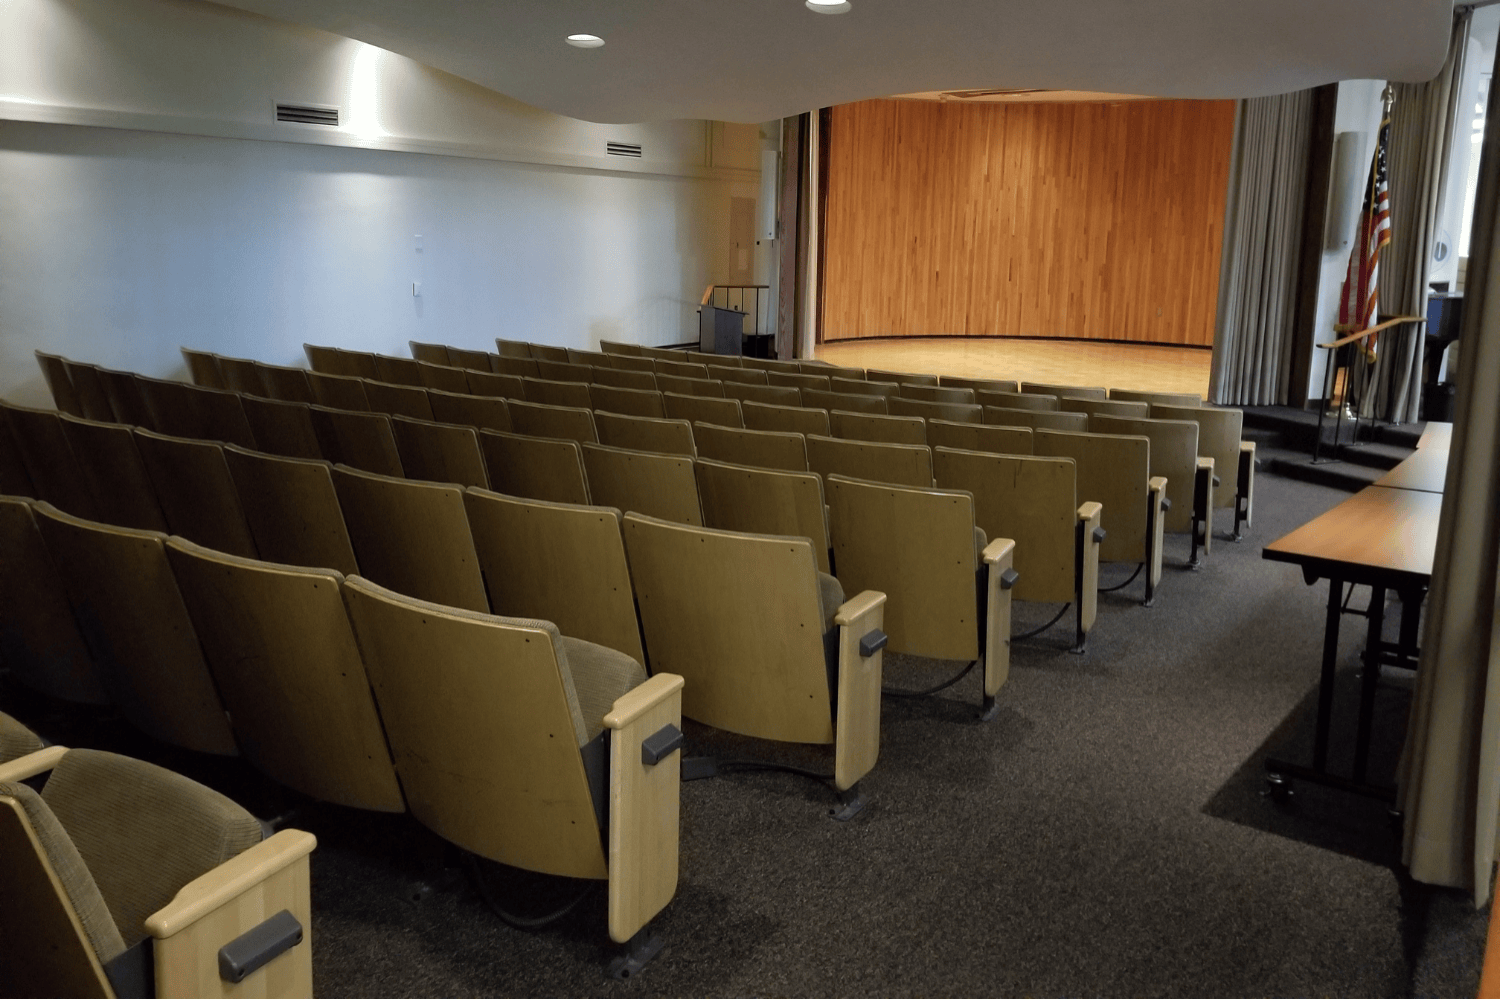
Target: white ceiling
point(755, 60)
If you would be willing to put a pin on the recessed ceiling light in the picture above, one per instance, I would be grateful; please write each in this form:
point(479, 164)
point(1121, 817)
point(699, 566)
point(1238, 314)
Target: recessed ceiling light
point(829, 6)
point(590, 41)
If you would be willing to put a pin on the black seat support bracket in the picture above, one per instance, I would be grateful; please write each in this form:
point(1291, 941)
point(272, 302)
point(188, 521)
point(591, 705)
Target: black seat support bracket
point(258, 946)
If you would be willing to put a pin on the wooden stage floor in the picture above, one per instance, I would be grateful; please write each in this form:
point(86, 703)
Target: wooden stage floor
point(1067, 362)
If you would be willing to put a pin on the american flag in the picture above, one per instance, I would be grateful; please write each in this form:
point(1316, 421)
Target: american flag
point(1360, 295)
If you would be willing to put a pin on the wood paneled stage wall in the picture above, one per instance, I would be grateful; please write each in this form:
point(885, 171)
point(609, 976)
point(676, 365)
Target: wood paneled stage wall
point(1095, 221)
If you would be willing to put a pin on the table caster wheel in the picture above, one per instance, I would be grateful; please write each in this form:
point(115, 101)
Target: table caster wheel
point(1278, 788)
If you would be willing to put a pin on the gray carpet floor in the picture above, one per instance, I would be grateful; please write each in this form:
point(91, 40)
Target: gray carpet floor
point(1104, 835)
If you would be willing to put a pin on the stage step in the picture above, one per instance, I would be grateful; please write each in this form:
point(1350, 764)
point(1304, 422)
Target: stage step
point(1284, 438)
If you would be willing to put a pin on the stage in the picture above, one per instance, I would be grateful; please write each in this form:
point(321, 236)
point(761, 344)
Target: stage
point(1056, 362)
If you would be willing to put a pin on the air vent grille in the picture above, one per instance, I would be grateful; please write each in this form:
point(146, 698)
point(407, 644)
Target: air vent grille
point(623, 149)
point(307, 114)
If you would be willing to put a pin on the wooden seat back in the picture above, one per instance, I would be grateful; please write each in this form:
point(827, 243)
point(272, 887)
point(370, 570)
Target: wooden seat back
point(1219, 432)
point(1154, 398)
point(1054, 420)
point(899, 378)
point(848, 402)
point(1034, 501)
point(48, 458)
point(878, 427)
point(93, 401)
point(832, 371)
point(332, 361)
point(817, 383)
point(196, 492)
point(562, 371)
point(40, 643)
point(619, 347)
point(724, 412)
point(239, 375)
point(980, 384)
point(282, 428)
point(363, 440)
point(788, 419)
point(937, 393)
point(724, 373)
point(738, 617)
point(339, 392)
point(1174, 454)
point(396, 399)
point(782, 450)
point(899, 464)
point(590, 358)
point(557, 393)
point(1075, 391)
point(917, 546)
point(443, 377)
point(1114, 469)
point(283, 654)
point(184, 410)
point(436, 354)
point(562, 563)
point(632, 363)
point(287, 384)
point(1015, 400)
point(1103, 407)
point(482, 412)
point(126, 393)
point(465, 358)
point(766, 395)
point(971, 413)
point(764, 502)
point(548, 352)
point(669, 437)
point(480, 729)
point(682, 369)
point(412, 537)
point(576, 423)
point(440, 453)
point(292, 509)
point(520, 367)
point(55, 374)
point(15, 481)
point(701, 387)
point(483, 383)
point(203, 368)
point(621, 378)
point(993, 438)
point(644, 482)
point(116, 477)
point(132, 615)
point(630, 402)
point(863, 387)
point(512, 348)
point(536, 468)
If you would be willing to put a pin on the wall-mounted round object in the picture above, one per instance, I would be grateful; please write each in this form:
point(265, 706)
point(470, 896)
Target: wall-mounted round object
point(585, 41)
point(829, 6)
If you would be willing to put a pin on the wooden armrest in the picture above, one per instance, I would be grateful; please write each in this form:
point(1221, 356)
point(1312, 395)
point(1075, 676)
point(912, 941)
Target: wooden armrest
point(1089, 510)
point(856, 731)
point(641, 699)
point(644, 806)
point(1157, 485)
point(1089, 514)
point(1000, 557)
point(1156, 526)
point(32, 764)
point(212, 890)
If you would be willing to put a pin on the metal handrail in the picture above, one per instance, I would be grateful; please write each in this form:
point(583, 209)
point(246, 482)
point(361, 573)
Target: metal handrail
point(1328, 376)
point(710, 295)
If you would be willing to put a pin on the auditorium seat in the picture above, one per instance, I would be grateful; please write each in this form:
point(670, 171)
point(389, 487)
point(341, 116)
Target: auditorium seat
point(877, 427)
point(562, 563)
point(537, 468)
point(189, 411)
point(126, 396)
point(994, 438)
point(16, 740)
point(562, 371)
point(633, 363)
point(766, 395)
point(899, 464)
point(398, 399)
point(548, 352)
point(278, 642)
point(292, 509)
point(764, 501)
point(352, 364)
point(484, 412)
point(619, 348)
point(509, 365)
point(670, 437)
point(684, 386)
point(55, 374)
point(412, 537)
point(1219, 431)
point(442, 377)
point(553, 393)
point(40, 643)
point(132, 616)
point(766, 645)
point(479, 755)
point(125, 879)
point(1189, 475)
point(630, 402)
point(436, 354)
point(52, 468)
point(903, 406)
point(282, 428)
point(899, 378)
point(111, 467)
point(1053, 420)
point(541, 420)
point(240, 375)
point(362, 440)
point(15, 481)
point(440, 453)
point(644, 482)
point(682, 369)
point(197, 495)
point(589, 358)
point(1106, 407)
point(734, 361)
point(483, 383)
point(340, 392)
point(463, 358)
point(783, 450)
point(849, 402)
point(792, 418)
point(622, 378)
point(1115, 469)
point(512, 348)
point(93, 401)
point(800, 381)
point(947, 589)
point(203, 368)
point(1154, 398)
point(289, 385)
point(863, 387)
point(726, 373)
point(1035, 501)
point(1075, 391)
point(724, 412)
point(980, 384)
point(1015, 400)
point(937, 394)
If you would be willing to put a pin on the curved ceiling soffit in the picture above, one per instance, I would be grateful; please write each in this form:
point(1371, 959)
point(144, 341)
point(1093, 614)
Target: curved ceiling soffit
point(755, 60)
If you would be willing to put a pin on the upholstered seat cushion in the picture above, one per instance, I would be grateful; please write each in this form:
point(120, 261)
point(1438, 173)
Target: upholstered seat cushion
point(16, 740)
point(143, 831)
point(600, 675)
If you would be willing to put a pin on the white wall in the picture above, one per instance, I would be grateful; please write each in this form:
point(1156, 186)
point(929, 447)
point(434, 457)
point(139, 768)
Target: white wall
point(148, 199)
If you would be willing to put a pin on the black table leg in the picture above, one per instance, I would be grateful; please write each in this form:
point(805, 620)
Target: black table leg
point(1369, 680)
point(1325, 680)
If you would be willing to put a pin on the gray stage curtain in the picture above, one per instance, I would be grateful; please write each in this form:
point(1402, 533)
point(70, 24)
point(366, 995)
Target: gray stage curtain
point(1422, 121)
point(1449, 779)
point(1262, 234)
